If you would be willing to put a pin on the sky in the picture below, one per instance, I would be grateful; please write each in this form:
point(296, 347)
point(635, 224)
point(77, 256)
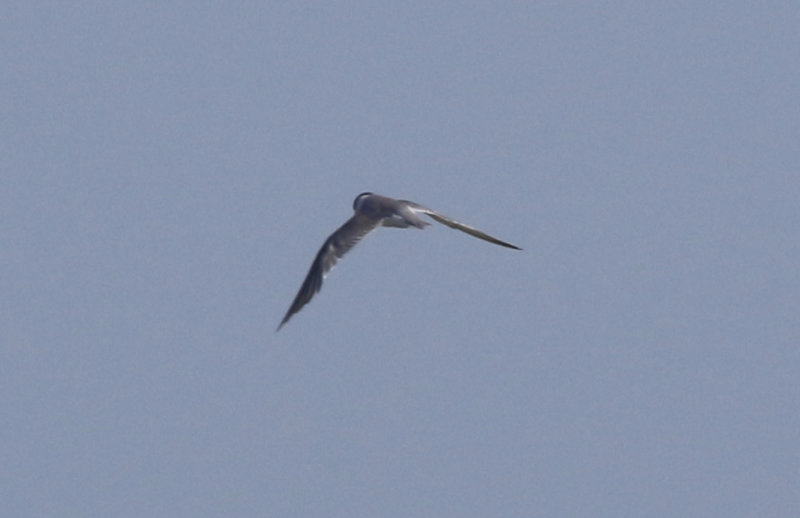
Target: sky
point(170, 169)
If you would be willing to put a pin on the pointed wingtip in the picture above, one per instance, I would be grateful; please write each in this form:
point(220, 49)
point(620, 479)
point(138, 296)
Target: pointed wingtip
point(507, 245)
point(285, 319)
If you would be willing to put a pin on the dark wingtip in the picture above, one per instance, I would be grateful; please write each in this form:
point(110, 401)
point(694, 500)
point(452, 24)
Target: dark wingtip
point(508, 245)
point(285, 319)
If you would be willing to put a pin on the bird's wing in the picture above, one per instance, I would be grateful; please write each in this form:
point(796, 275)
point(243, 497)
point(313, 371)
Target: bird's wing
point(444, 220)
point(334, 248)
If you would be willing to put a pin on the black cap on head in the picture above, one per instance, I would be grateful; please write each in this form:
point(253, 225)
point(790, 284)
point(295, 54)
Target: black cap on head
point(355, 202)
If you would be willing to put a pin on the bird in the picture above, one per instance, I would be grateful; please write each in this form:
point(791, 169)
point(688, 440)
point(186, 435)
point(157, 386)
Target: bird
point(370, 212)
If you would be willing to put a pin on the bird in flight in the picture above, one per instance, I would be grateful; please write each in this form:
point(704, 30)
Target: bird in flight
point(371, 211)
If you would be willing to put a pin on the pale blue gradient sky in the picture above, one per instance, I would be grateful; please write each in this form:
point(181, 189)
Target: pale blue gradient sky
point(170, 169)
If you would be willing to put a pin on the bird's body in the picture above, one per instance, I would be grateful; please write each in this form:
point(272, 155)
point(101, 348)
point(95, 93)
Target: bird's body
point(370, 211)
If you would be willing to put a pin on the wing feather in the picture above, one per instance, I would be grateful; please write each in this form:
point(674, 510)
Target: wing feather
point(333, 249)
point(444, 220)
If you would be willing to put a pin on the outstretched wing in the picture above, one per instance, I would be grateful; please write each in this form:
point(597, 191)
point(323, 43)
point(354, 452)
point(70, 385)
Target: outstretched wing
point(444, 220)
point(334, 248)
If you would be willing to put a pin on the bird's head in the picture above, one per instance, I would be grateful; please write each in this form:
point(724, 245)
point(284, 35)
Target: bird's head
point(360, 199)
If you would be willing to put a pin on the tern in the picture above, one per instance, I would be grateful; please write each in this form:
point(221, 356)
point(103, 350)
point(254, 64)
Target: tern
point(370, 212)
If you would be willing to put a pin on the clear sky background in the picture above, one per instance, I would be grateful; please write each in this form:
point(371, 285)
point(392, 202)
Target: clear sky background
point(169, 170)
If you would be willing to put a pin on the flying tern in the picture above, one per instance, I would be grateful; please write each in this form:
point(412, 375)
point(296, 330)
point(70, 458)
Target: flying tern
point(371, 211)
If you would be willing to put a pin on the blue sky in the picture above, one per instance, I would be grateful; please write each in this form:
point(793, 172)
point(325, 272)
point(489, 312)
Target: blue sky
point(169, 172)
